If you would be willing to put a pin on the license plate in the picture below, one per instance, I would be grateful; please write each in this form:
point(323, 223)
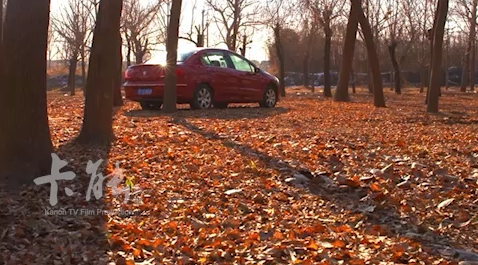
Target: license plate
point(144, 91)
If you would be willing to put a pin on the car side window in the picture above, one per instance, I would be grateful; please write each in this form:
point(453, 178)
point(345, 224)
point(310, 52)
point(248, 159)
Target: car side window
point(240, 64)
point(214, 59)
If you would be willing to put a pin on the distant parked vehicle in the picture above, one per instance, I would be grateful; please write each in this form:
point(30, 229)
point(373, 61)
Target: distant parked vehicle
point(206, 77)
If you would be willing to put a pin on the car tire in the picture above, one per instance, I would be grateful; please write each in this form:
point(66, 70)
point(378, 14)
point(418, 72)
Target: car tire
point(269, 99)
point(220, 105)
point(202, 98)
point(150, 105)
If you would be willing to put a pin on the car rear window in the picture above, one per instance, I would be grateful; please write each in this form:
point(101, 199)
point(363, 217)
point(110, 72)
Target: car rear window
point(161, 58)
point(183, 56)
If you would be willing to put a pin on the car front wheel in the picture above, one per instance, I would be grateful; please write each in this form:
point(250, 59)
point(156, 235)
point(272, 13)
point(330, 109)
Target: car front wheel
point(202, 98)
point(269, 99)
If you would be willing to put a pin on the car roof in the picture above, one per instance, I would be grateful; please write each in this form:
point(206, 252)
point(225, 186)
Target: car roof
point(210, 49)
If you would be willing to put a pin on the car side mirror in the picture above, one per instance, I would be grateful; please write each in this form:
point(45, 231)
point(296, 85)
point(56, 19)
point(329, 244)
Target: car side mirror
point(257, 70)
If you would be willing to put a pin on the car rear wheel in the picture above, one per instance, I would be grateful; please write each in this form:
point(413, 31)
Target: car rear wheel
point(202, 98)
point(269, 99)
point(150, 105)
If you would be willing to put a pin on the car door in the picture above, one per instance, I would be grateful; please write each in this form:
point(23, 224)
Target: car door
point(251, 83)
point(222, 78)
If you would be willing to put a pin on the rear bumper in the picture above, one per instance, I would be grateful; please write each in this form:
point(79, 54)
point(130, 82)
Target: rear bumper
point(157, 92)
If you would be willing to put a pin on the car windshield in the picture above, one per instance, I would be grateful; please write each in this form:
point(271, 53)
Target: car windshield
point(161, 58)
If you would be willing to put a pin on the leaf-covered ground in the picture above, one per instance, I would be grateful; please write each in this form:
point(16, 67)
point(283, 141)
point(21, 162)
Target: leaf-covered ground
point(308, 182)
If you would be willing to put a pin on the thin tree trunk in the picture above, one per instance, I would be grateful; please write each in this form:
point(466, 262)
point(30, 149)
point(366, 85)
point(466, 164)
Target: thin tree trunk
point(244, 45)
point(117, 97)
point(305, 69)
point(280, 56)
point(72, 73)
point(83, 68)
point(396, 67)
point(235, 24)
point(473, 46)
point(342, 91)
point(423, 78)
point(465, 75)
point(379, 99)
point(128, 54)
point(306, 59)
point(25, 136)
point(437, 41)
point(139, 54)
point(102, 75)
point(1, 20)
point(327, 48)
point(170, 97)
point(353, 80)
point(369, 78)
point(472, 68)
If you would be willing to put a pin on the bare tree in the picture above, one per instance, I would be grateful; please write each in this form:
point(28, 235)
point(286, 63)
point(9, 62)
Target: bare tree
point(473, 45)
point(395, 28)
point(1, 19)
point(231, 16)
point(72, 24)
point(25, 139)
point(102, 74)
point(197, 32)
point(326, 12)
point(170, 79)
point(140, 27)
point(437, 47)
point(463, 13)
point(342, 92)
point(379, 99)
point(276, 18)
point(309, 36)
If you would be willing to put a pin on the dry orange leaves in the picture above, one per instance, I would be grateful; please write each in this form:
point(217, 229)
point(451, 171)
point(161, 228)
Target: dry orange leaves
point(308, 182)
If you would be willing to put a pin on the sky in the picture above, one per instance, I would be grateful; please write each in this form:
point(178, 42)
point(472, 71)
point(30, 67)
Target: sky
point(257, 49)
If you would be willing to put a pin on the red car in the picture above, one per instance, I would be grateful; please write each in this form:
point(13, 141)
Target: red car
point(206, 78)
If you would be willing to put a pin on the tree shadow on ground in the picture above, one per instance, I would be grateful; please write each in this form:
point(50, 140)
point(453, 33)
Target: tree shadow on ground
point(382, 220)
point(230, 113)
point(70, 232)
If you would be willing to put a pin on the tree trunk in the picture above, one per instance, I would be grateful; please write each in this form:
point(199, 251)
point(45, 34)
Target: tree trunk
point(117, 97)
point(465, 74)
point(72, 73)
point(423, 78)
point(102, 75)
point(200, 40)
point(1, 20)
point(139, 53)
point(437, 41)
point(342, 91)
point(327, 48)
point(128, 54)
point(25, 135)
point(280, 56)
point(235, 24)
point(396, 67)
point(369, 78)
point(170, 97)
point(353, 80)
point(83, 68)
point(244, 45)
point(379, 99)
point(305, 70)
point(473, 46)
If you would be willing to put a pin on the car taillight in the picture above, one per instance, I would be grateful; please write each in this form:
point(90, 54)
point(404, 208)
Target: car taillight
point(128, 73)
